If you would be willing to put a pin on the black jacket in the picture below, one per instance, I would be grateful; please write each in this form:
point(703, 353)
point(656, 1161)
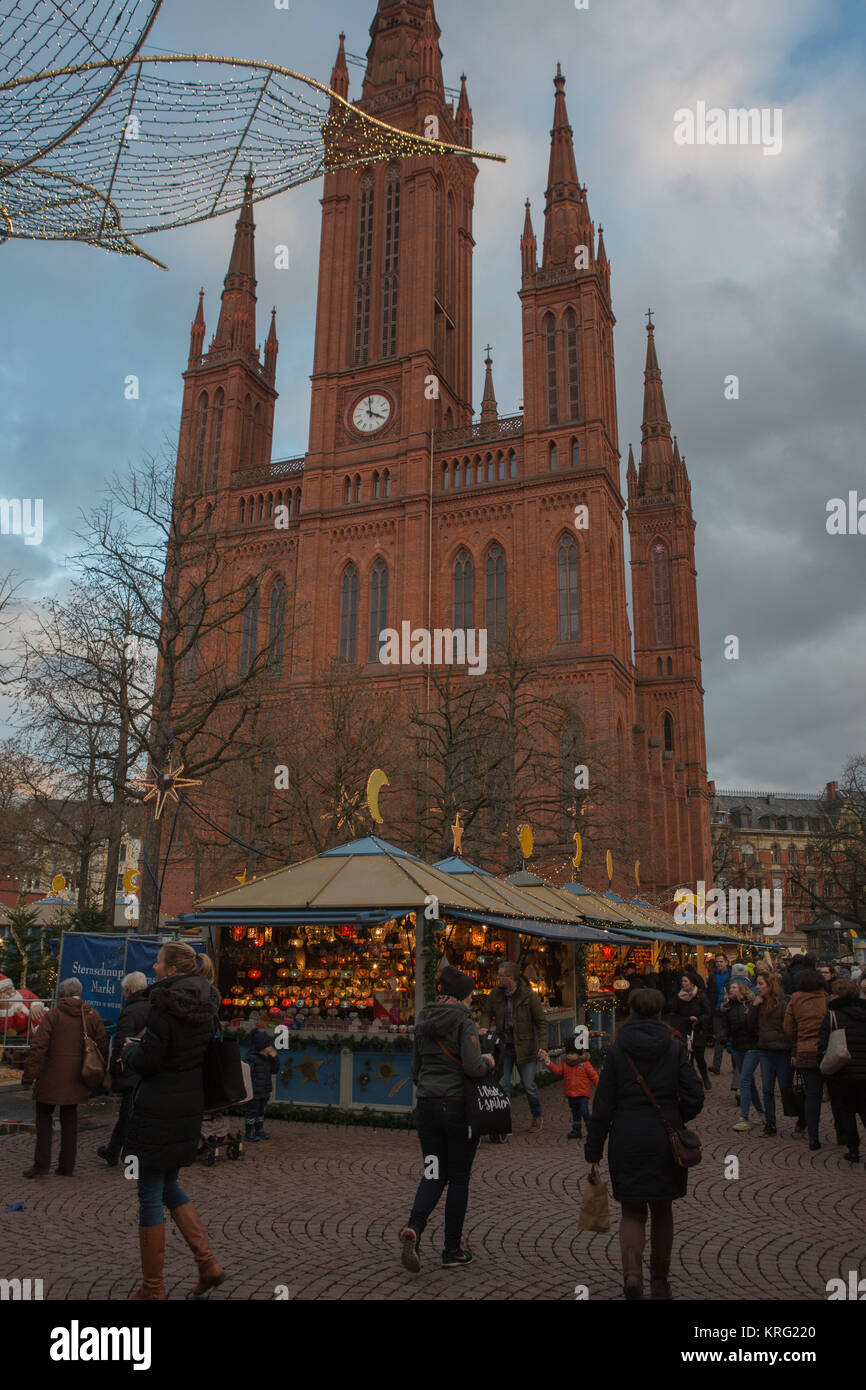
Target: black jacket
point(435, 1074)
point(850, 1015)
point(261, 1071)
point(669, 985)
point(169, 1103)
point(133, 1017)
point(641, 1162)
point(684, 1009)
point(740, 1025)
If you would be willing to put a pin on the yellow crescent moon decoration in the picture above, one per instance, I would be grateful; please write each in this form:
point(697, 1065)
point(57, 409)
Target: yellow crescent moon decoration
point(58, 883)
point(609, 863)
point(526, 841)
point(375, 782)
point(131, 881)
point(637, 872)
point(578, 849)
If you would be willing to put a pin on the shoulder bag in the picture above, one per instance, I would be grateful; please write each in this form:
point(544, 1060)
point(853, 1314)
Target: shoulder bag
point(92, 1065)
point(685, 1144)
point(488, 1108)
point(837, 1055)
point(222, 1072)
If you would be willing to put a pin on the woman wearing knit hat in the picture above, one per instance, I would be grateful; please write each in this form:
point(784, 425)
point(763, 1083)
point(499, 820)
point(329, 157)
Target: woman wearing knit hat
point(446, 1050)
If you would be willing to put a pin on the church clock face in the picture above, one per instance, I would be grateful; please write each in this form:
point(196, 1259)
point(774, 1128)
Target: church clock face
point(371, 413)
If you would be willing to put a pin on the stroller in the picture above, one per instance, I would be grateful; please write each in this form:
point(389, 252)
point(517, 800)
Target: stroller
point(217, 1138)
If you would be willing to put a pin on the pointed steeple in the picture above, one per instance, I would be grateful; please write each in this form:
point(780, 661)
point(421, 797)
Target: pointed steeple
point(340, 74)
point(464, 117)
point(237, 322)
point(528, 246)
point(272, 347)
point(404, 47)
point(196, 337)
point(489, 408)
point(657, 449)
point(566, 216)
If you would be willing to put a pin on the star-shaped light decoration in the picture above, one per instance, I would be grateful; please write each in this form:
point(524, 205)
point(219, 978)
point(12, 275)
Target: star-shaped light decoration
point(161, 788)
point(310, 1070)
point(457, 834)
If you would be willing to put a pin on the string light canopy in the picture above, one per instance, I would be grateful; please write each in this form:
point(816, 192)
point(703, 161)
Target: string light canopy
point(171, 141)
point(37, 36)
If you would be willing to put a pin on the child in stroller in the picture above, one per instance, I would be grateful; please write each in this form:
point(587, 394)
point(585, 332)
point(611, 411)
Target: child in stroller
point(217, 1138)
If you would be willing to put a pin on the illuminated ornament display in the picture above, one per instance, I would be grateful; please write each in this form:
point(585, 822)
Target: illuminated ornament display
point(166, 786)
point(375, 783)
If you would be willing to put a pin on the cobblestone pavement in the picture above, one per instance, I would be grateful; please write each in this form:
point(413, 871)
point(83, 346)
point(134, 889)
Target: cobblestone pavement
point(318, 1209)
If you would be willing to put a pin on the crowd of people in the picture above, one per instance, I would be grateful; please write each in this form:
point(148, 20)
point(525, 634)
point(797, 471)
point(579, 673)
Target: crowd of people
point(776, 1024)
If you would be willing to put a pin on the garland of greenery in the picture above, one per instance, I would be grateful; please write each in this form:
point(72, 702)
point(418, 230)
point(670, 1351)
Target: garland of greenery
point(334, 1115)
point(431, 950)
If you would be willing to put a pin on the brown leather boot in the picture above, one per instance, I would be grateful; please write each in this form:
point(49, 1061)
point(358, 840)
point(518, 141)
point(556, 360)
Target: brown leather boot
point(188, 1222)
point(151, 1241)
point(659, 1271)
point(632, 1269)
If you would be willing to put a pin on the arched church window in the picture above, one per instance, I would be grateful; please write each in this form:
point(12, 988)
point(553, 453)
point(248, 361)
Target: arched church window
point(568, 590)
point(363, 270)
point(661, 581)
point(549, 329)
point(573, 364)
point(496, 595)
point(250, 630)
point(349, 614)
point(218, 407)
point(669, 734)
point(201, 435)
point(552, 457)
point(378, 606)
point(390, 277)
point(277, 628)
point(464, 581)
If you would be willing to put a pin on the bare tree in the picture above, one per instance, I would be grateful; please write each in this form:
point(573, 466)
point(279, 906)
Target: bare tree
point(835, 883)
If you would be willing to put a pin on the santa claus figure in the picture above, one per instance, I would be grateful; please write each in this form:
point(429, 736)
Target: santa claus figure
point(14, 1008)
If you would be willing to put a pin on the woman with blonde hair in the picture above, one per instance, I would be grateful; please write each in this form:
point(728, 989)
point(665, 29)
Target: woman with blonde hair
point(774, 1047)
point(169, 1107)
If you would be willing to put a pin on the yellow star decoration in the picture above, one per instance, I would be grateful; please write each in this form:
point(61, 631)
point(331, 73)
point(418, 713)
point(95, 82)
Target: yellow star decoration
point(310, 1070)
point(457, 833)
point(385, 1071)
point(241, 878)
point(166, 786)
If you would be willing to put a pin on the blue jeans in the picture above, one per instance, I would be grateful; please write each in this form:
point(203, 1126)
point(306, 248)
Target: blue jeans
point(579, 1106)
point(527, 1075)
point(747, 1063)
point(157, 1189)
point(774, 1066)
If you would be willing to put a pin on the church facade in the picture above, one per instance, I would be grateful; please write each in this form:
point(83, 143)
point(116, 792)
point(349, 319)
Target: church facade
point(407, 507)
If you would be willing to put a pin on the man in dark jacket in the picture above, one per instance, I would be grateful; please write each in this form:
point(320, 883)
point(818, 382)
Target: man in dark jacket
point(668, 982)
point(848, 1084)
point(518, 1014)
point(640, 1159)
point(130, 1023)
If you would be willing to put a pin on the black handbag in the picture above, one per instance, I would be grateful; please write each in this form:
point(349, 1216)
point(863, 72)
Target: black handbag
point(488, 1108)
point(794, 1099)
point(222, 1074)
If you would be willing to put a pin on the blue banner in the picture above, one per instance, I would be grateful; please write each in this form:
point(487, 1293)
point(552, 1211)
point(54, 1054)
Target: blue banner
point(101, 960)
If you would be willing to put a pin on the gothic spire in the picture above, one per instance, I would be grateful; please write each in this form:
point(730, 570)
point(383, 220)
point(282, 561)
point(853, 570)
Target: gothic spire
point(272, 347)
point(398, 52)
point(528, 245)
point(340, 74)
point(237, 322)
point(196, 337)
point(489, 408)
point(567, 223)
point(464, 115)
point(657, 449)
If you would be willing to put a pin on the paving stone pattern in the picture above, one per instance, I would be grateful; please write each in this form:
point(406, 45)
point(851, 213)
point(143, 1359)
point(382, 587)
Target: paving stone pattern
point(319, 1208)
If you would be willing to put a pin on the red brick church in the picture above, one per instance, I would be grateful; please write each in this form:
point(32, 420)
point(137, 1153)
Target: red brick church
point(406, 507)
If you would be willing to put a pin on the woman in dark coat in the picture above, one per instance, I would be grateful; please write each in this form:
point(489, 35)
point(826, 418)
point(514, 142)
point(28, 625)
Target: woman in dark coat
point(848, 1008)
point(642, 1166)
point(169, 1106)
point(693, 1016)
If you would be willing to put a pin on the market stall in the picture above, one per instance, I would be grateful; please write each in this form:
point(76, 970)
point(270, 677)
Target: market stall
point(341, 951)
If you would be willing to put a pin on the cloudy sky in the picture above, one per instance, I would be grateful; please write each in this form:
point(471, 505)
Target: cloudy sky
point(754, 265)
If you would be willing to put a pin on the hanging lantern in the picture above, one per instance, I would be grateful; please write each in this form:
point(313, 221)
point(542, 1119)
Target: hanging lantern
point(286, 1003)
point(242, 974)
point(592, 983)
point(282, 974)
point(255, 974)
point(237, 933)
point(227, 1002)
point(607, 953)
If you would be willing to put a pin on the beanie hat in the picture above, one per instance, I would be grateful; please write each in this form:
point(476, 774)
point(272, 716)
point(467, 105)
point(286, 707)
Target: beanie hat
point(260, 1040)
point(455, 983)
point(739, 972)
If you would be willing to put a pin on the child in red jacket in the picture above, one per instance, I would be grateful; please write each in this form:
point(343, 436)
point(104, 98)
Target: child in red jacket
point(579, 1075)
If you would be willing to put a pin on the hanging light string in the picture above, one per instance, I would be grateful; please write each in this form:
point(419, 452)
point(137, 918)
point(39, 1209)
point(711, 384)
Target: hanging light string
point(203, 816)
point(165, 151)
point(36, 35)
